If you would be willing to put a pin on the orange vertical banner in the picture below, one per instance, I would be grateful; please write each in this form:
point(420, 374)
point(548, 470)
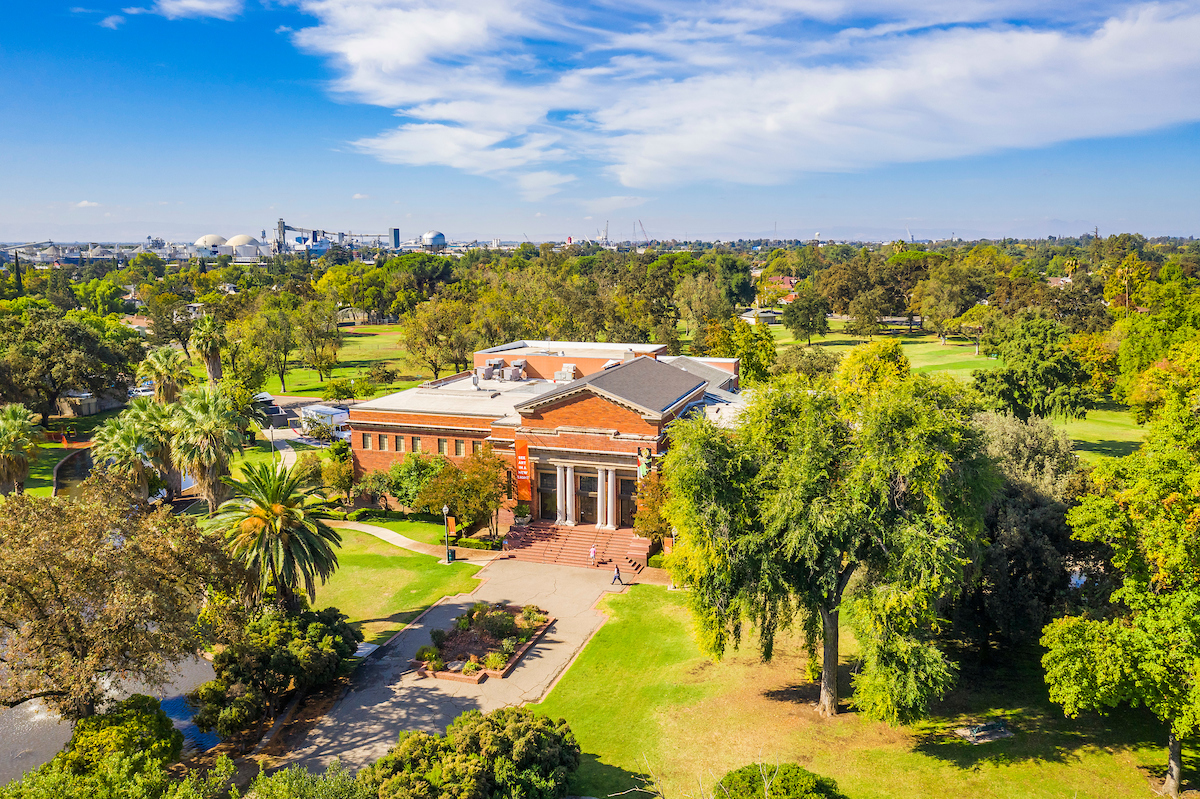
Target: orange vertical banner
point(524, 490)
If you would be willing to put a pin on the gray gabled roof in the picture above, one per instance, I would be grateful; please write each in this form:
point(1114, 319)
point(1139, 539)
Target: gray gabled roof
point(717, 378)
point(644, 384)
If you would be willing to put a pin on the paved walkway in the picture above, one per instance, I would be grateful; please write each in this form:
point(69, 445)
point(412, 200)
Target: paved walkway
point(386, 697)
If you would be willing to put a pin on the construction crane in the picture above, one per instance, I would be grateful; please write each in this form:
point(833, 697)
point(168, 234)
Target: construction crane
point(643, 227)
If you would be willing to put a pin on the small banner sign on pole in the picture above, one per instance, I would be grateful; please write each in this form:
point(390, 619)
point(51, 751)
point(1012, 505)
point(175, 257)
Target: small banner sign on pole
point(450, 525)
point(524, 490)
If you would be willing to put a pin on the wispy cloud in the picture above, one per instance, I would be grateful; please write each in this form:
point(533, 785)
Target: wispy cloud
point(361, 197)
point(177, 9)
point(750, 91)
point(112, 22)
point(86, 204)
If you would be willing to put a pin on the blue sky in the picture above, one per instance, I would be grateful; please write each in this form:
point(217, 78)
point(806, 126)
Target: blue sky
point(852, 118)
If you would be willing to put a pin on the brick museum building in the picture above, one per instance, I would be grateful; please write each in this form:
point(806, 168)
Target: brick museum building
point(577, 423)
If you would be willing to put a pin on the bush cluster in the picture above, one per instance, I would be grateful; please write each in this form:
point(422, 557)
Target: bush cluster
point(785, 781)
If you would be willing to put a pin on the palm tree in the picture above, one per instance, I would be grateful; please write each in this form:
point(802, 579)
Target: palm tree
point(119, 448)
point(208, 337)
point(169, 369)
point(274, 526)
point(154, 423)
point(205, 436)
point(20, 439)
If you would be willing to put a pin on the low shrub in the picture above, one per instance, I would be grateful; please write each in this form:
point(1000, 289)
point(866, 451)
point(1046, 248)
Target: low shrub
point(508, 646)
point(498, 624)
point(470, 668)
point(656, 561)
point(475, 543)
point(438, 637)
point(436, 664)
point(529, 611)
point(137, 725)
point(787, 781)
point(427, 653)
point(463, 623)
point(495, 660)
point(479, 610)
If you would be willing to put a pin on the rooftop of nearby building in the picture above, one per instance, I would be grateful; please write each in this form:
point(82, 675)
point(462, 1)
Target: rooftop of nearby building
point(461, 395)
point(648, 385)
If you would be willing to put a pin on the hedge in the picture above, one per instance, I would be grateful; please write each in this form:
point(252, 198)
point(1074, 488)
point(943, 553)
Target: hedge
point(656, 561)
point(362, 514)
point(475, 543)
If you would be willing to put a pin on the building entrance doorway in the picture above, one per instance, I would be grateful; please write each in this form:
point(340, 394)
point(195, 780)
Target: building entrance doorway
point(586, 499)
point(548, 495)
point(627, 500)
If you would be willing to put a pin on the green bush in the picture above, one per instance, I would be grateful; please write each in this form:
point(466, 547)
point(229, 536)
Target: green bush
point(475, 543)
point(787, 781)
point(470, 668)
point(479, 610)
point(656, 561)
point(508, 646)
point(498, 624)
point(438, 637)
point(299, 783)
point(495, 661)
point(119, 776)
point(427, 653)
point(463, 623)
point(436, 664)
point(509, 752)
point(530, 611)
point(136, 725)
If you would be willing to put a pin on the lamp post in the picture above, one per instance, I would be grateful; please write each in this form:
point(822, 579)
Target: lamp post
point(446, 521)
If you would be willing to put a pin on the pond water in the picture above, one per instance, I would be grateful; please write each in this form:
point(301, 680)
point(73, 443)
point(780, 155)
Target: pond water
point(74, 469)
point(31, 734)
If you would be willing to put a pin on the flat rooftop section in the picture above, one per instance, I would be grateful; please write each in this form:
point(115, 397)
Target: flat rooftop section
point(570, 349)
point(459, 396)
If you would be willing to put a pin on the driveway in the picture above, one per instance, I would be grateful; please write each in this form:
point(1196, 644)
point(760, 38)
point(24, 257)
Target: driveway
point(386, 697)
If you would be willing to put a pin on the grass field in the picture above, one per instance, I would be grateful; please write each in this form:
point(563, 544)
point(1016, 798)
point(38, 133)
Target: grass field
point(643, 697)
point(41, 474)
point(1108, 432)
point(425, 532)
point(382, 587)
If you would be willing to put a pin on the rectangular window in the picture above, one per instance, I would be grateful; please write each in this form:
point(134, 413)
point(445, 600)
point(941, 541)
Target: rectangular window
point(366, 441)
point(476, 447)
point(441, 446)
point(587, 485)
point(628, 488)
point(399, 443)
point(416, 444)
point(460, 447)
point(383, 442)
point(548, 481)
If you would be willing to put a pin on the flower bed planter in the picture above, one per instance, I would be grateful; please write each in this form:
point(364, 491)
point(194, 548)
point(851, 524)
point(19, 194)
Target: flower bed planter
point(457, 676)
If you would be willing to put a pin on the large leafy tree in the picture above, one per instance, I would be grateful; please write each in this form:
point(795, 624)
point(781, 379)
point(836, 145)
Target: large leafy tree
point(815, 486)
point(275, 526)
point(20, 440)
point(1146, 649)
point(1041, 376)
point(752, 344)
point(318, 334)
point(94, 591)
point(806, 315)
point(46, 353)
point(204, 437)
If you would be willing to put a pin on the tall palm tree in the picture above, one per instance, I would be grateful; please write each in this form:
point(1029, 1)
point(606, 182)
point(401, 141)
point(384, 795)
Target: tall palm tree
point(274, 525)
point(168, 368)
point(20, 440)
point(155, 426)
point(119, 447)
point(208, 337)
point(205, 436)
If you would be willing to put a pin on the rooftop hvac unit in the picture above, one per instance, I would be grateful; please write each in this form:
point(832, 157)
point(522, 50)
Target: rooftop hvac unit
point(520, 363)
point(564, 377)
point(486, 372)
point(569, 368)
point(513, 373)
point(495, 361)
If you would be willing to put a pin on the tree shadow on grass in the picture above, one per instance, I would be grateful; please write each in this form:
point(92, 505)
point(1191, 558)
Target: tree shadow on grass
point(808, 692)
point(600, 779)
point(1012, 689)
point(1108, 448)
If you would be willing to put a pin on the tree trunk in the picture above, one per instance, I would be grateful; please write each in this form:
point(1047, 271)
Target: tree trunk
point(214, 368)
point(827, 705)
point(1174, 765)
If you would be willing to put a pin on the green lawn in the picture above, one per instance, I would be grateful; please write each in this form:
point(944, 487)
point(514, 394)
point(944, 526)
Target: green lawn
point(364, 345)
point(382, 587)
point(425, 532)
point(41, 475)
point(642, 695)
point(1107, 432)
point(262, 452)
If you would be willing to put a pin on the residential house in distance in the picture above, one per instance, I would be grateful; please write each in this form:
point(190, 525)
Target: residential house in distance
point(577, 423)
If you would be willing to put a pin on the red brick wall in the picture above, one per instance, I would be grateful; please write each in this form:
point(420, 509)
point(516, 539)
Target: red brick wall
point(588, 410)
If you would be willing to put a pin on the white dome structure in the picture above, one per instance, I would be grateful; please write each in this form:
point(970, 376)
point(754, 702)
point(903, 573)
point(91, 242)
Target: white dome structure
point(433, 240)
point(211, 240)
point(241, 240)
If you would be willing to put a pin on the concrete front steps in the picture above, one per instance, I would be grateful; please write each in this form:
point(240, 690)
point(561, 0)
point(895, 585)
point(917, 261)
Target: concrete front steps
point(570, 546)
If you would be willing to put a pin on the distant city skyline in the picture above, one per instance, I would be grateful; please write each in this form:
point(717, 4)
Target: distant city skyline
point(860, 119)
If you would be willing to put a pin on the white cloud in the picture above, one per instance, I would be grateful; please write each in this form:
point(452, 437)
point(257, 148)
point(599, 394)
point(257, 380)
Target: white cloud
point(175, 9)
point(539, 185)
point(113, 22)
point(284, 29)
point(361, 197)
point(86, 204)
point(750, 91)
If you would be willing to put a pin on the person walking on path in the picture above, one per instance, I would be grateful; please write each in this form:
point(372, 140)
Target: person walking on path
point(617, 575)
point(592, 557)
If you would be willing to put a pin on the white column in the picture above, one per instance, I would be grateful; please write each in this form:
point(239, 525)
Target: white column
point(560, 498)
point(614, 513)
point(570, 494)
point(601, 499)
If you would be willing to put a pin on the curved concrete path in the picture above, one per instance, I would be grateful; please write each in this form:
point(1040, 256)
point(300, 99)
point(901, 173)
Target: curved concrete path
point(387, 697)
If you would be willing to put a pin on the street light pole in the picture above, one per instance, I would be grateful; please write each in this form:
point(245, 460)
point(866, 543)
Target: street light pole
point(446, 522)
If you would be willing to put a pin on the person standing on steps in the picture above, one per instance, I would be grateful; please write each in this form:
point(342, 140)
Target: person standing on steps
point(592, 557)
point(617, 575)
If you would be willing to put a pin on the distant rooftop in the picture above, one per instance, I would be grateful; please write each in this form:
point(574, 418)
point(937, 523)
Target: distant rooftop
point(650, 386)
point(459, 395)
point(571, 349)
